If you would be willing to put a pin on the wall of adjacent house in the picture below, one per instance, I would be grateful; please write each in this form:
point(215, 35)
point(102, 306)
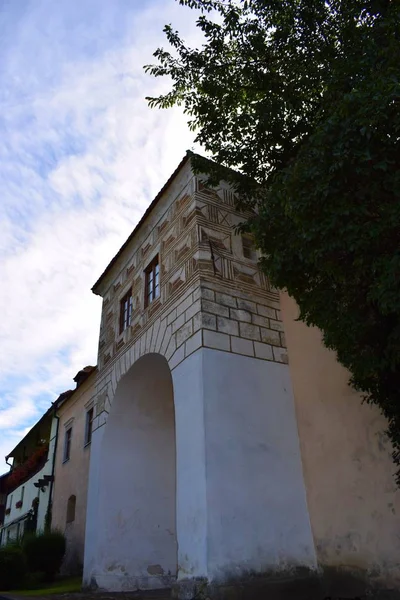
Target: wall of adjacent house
point(28, 495)
point(352, 498)
point(71, 477)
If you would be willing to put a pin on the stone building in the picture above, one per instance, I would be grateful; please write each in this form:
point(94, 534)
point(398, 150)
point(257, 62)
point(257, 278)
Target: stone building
point(75, 411)
point(211, 456)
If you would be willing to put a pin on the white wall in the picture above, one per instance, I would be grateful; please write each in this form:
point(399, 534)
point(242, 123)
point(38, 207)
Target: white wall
point(240, 497)
point(257, 511)
point(191, 468)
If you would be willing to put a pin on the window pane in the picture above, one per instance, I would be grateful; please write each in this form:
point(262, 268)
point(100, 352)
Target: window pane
point(156, 291)
point(67, 446)
point(89, 425)
point(126, 311)
point(130, 310)
point(150, 296)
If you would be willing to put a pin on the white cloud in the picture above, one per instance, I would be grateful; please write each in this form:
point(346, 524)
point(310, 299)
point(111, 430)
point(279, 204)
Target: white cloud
point(81, 157)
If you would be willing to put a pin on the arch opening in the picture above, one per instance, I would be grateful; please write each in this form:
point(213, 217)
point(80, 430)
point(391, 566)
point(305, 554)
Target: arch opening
point(137, 495)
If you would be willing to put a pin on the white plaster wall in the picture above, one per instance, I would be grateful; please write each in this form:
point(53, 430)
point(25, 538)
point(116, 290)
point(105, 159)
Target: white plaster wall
point(136, 538)
point(257, 511)
point(191, 467)
point(240, 497)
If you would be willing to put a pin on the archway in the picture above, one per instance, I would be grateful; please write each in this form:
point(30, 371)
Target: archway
point(137, 495)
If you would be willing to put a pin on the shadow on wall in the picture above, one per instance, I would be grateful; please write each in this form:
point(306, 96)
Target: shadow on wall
point(137, 492)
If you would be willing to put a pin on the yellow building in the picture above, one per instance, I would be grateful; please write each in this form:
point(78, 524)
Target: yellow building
point(75, 414)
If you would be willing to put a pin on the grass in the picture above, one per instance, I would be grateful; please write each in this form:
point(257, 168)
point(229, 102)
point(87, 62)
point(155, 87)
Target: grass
point(60, 586)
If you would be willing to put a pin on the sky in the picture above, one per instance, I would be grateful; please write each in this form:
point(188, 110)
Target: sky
point(81, 157)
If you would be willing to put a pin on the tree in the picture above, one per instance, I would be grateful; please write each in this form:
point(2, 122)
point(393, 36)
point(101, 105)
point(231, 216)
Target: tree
point(301, 99)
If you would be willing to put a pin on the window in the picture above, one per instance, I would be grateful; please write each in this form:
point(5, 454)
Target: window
point(152, 290)
point(11, 497)
point(126, 309)
point(71, 504)
point(22, 494)
point(88, 426)
point(249, 249)
point(67, 444)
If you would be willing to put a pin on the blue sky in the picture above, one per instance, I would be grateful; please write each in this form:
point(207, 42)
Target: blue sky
point(81, 156)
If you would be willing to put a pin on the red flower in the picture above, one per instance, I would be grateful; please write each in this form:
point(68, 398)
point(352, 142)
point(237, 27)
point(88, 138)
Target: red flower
point(18, 504)
point(31, 466)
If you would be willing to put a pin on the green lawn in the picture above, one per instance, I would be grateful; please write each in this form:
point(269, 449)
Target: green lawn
point(62, 586)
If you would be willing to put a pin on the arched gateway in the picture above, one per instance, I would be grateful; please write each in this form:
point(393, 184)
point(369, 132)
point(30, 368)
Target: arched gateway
point(137, 495)
point(195, 468)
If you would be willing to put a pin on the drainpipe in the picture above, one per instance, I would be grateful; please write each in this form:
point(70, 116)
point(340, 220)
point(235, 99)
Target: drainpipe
point(53, 467)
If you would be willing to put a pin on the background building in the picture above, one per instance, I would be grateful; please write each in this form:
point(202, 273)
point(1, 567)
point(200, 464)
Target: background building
point(75, 414)
point(29, 484)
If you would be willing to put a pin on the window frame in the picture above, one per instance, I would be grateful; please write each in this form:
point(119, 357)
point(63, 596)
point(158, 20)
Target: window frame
point(67, 444)
point(71, 509)
point(89, 425)
point(250, 248)
point(152, 279)
point(125, 313)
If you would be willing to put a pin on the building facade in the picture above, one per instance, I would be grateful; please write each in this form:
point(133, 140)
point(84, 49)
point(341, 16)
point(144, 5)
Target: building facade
point(195, 438)
point(214, 456)
point(75, 415)
point(29, 484)
point(3, 501)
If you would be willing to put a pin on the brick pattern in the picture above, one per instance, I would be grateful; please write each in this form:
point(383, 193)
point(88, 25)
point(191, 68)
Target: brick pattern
point(239, 325)
point(211, 295)
point(173, 236)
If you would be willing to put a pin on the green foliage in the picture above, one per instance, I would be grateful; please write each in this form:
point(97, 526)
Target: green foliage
point(12, 566)
point(44, 552)
point(302, 98)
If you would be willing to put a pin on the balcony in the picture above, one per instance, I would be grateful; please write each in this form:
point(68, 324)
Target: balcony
point(28, 468)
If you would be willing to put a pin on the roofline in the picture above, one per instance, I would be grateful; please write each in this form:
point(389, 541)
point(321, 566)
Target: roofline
point(48, 412)
point(67, 398)
point(53, 408)
point(149, 209)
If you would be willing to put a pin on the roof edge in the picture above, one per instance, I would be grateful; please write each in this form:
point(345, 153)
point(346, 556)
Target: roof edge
point(148, 210)
point(48, 412)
